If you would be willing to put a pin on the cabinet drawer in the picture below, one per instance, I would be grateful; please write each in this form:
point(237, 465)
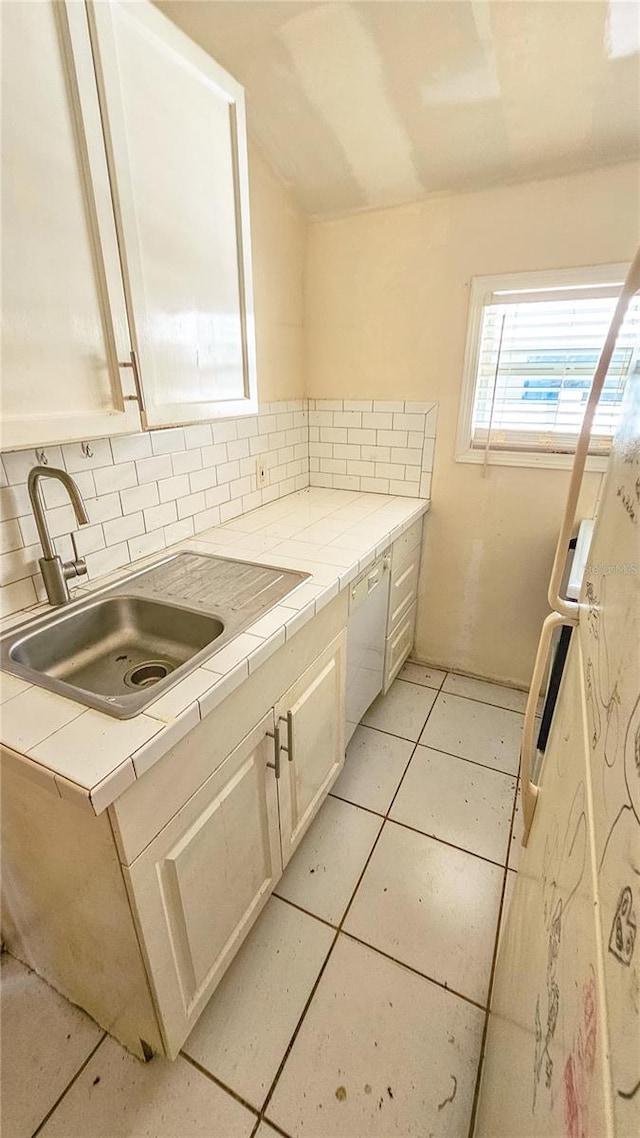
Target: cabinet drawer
point(398, 647)
point(403, 589)
point(411, 539)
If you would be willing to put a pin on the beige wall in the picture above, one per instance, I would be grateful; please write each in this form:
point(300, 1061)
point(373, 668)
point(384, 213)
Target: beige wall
point(278, 238)
point(386, 307)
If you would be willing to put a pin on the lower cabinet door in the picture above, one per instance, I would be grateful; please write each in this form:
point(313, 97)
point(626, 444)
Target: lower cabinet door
point(310, 719)
point(200, 884)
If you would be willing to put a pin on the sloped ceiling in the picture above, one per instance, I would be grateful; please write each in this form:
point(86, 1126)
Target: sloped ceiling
point(376, 103)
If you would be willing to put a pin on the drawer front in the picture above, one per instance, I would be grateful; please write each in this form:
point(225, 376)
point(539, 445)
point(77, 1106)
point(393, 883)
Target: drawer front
point(398, 647)
point(403, 589)
point(410, 540)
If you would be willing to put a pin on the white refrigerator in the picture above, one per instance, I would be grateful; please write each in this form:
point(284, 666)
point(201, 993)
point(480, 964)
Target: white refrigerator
point(562, 1051)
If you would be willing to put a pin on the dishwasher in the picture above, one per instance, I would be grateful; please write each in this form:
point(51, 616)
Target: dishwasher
point(366, 632)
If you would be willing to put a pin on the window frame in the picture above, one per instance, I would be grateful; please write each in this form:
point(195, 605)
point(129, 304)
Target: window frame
point(480, 287)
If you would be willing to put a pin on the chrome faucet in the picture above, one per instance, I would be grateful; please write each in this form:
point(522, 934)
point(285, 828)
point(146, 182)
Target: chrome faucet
point(55, 571)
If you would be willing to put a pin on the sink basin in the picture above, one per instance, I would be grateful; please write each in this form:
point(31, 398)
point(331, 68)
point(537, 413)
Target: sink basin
point(118, 645)
point(121, 647)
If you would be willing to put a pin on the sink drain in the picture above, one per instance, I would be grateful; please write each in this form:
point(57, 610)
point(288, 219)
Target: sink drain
point(143, 675)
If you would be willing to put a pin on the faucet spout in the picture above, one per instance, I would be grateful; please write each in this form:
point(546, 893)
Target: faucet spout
point(55, 572)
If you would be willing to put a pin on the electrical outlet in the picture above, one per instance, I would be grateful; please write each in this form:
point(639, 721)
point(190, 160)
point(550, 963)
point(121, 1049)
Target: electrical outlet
point(261, 473)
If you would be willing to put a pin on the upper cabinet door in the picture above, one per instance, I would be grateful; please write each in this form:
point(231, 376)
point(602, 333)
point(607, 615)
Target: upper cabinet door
point(175, 128)
point(64, 318)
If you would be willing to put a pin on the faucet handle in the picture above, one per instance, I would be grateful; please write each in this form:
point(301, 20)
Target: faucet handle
point(78, 564)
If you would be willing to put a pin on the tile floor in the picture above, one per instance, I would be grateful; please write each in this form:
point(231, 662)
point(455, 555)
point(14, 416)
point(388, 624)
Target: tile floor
point(356, 1007)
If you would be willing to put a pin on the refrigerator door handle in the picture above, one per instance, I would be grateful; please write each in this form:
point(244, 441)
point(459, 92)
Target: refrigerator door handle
point(569, 608)
point(529, 789)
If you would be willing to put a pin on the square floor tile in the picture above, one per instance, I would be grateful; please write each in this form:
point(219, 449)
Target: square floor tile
point(117, 1096)
point(486, 692)
point(476, 731)
point(457, 801)
point(430, 906)
point(45, 1039)
point(246, 1027)
point(381, 1052)
point(325, 868)
point(422, 674)
point(402, 711)
point(374, 765)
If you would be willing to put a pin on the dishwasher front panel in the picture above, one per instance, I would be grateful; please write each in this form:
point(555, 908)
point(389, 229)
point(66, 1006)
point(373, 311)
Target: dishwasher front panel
point(366, 631)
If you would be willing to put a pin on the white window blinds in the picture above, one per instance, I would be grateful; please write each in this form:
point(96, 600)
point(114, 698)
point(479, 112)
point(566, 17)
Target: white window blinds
point(537, 350)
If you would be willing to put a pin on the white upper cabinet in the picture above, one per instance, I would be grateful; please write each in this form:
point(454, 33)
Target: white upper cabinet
point(175, 131)
point(64, 317)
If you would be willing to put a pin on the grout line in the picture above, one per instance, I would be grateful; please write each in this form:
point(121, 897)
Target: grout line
point(301, 909)
point(423, 833)
point(274, 1125)
point(69, 1085)
point(485, 1029)
point(451, 754)
point(416, 971)
point(318, 978)
point(223, 1086)
point(339, 930)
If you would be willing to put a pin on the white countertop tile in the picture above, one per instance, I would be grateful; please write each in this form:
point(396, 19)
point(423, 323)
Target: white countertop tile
point(33, 715)
point(88, 749)
point(331, 534)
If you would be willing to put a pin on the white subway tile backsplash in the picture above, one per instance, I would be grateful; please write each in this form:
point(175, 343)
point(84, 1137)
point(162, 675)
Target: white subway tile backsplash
point(386, 453)
point(14, 501)
point(168, 441)
point(186, 461)
point(392, 438)
point(18, 595)
point(87, 456)
point(378, 420)
point(129, 448)
point(121, 529)
point(147, 491)
point(171, 488)
point(146, 544)
point(99, 510)
point(191, 504)
point(203, 479)
point(139, 497)
point(153, 469)
point(225, 432)
point(107, 560)
point(10, 536)
point(108, 478)
point(178, 531)
point(158, 516)
point(427, 454)
point(198, 436)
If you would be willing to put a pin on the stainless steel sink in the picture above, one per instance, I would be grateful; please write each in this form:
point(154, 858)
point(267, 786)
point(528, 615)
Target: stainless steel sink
point(120, 648)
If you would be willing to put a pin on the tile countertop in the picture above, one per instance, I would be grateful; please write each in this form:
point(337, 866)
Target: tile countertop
point(91, 758)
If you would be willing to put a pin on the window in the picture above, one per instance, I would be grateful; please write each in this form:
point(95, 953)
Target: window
point(533, 342)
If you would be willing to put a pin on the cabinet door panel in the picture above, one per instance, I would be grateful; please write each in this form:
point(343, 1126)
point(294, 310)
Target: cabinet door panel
point(64, 318)
point(311, 716)
point(201, 883)
point(178, 151)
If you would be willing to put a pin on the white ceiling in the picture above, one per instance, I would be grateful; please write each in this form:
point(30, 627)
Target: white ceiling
point(365, 104)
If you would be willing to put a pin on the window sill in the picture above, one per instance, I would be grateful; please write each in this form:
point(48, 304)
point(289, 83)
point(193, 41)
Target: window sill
point(597, 463)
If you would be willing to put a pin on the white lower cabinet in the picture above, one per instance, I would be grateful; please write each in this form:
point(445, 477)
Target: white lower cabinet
point(310, 720)
point(200, 884)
